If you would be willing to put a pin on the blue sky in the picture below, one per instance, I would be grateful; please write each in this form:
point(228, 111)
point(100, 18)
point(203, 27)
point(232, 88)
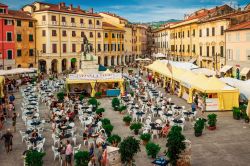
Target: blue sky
point(140, 10)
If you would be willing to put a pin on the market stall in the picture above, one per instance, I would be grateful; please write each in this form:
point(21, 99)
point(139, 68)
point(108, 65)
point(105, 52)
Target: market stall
point(108, 84)
point(243, 86)
point(187, 84)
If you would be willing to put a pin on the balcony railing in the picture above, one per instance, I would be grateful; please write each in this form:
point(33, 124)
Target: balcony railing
point(54, 22)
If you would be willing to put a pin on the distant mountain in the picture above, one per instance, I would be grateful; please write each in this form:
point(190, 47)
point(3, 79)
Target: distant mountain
point(157, 24)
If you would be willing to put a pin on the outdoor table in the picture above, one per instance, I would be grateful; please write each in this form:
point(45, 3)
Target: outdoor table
point(28, 131)
point(35, 123)
point(157, 109)
point(177, 107)
point(177, 121)
point(168, 114)
point(29, 113)
point(156, 128)
point(139, 113)
point(188, 113)
point(30, 108)
point(160, 162)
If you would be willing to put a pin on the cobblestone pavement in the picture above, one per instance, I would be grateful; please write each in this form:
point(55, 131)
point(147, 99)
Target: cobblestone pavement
point(228, 145)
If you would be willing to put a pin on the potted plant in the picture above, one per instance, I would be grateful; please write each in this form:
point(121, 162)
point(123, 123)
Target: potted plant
point(108, 129)
point(115, 103)
point(60, 96)
point(128, 148)
point(145, 138)
point(93, 102)
point(236, 113)
point(127, 119)
point(81, 158)
point(246, 117)
point(81, 97)
point(136, 127)
point(130, 71)
point(242, 109)
point(114, 140)
point(98, 95)
point(152, 149)
point(99, 111)
point(132, 93)
point(212, 121)
point(198, 127)
point(34, 158)
point(122, 108)
point(175, 144)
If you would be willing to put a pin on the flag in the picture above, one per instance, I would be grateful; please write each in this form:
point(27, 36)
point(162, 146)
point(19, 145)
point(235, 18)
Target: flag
point(169, 66)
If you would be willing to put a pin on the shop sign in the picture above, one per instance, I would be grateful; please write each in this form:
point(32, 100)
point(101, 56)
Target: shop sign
point(212, 104)
point(109, 76)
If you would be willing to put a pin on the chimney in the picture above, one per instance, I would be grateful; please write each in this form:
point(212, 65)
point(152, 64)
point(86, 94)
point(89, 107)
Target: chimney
point(78, 7)
point(91, 10)
point(70, 7)
point(63, 4)
point(59, 6)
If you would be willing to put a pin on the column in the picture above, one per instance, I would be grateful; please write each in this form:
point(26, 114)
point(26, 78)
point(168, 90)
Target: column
point(115, 60)
point(59, 66)
point(48, 66)
point(109, 60)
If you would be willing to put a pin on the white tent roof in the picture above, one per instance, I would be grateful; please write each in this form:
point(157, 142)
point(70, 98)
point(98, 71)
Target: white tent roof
point(204, 71)
point(159, 55)
point(111, 149)
point(182, 65)
point(225, 68)
point(243, 86)
point(17, 71)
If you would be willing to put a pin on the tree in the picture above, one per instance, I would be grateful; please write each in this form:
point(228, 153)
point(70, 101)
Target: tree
point(128, 148)
point(34, 158)
point(175, 144)
point(82, 158)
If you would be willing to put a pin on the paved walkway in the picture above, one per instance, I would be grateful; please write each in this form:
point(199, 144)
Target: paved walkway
point(228, 145)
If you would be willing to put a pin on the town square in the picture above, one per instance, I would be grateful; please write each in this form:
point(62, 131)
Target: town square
point(124, 83)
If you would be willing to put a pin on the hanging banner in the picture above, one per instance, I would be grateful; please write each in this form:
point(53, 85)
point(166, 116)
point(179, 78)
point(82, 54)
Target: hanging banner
point(107, 76)
point(212, 104)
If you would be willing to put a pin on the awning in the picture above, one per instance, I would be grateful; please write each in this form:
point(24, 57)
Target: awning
point(193, 60)
point(245, 71)
point(225, 68)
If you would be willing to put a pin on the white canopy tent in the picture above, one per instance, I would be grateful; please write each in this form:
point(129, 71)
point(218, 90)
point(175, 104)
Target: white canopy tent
point(17, 71)
point(204, 71)
point(159, 55)
point(243, 86)
point(182, 65)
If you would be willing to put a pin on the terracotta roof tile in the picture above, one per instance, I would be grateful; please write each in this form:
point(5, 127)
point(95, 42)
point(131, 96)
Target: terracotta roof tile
point(241, 26)
point(114, 15)
point(20, 14)
point(66, 9)
point(110, 26)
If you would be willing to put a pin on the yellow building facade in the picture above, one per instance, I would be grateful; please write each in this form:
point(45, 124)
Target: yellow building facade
point(113, 43)
point(59, 35)
point(25, 39)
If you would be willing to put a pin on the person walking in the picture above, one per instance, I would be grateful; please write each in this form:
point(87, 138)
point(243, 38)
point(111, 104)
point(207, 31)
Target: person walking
point(12, 98)
point(7, 140)
point(68, 154)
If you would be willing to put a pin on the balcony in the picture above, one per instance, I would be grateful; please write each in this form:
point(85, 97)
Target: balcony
point(91, 26)
point(82, 25)
point(54, 22)
point(73, 24)
point(44, 23)
point(64, 23)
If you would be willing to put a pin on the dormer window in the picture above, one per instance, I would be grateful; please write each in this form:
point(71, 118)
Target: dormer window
point(2, 10)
